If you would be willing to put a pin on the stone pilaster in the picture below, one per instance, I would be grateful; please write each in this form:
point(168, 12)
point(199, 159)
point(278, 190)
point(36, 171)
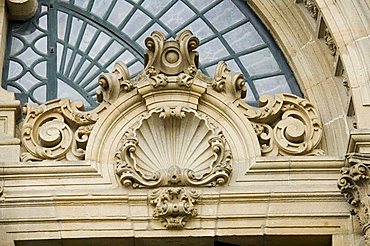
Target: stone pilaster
point(355, 179)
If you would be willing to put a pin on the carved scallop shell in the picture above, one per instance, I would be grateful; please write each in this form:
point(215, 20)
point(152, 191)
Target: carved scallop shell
point(173, 147)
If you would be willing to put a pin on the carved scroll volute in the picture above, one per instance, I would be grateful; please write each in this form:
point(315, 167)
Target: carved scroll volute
point(171, 57)
point(285, 125)
point(56, 130)
point(232, 83)
point(113, 83)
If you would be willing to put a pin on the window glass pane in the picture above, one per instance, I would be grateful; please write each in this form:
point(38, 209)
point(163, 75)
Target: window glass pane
point(260, 62)
point(77, 40)
point(177, 15)
point(224, 15)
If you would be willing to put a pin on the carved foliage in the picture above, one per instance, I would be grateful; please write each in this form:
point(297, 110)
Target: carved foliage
point(311, 6)
point(285, 125)
point(174, 206)
point(56, 130)
point(354, 185)
point(329, 40)
point(173, 146)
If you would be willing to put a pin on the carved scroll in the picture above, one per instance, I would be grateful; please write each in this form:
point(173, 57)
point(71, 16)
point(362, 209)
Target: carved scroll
point(354, 185)
point(285, 125)
point(56, 130)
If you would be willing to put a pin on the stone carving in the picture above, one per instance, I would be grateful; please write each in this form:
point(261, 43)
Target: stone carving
point(173, 146)
point(113, 83)
point(56, 130)
point(174, 142)
point(171, 57)
point(311, 6)
point(329, 41)
point(285, 125)
point(354, 185)
point(174, 206)
point(231, 82)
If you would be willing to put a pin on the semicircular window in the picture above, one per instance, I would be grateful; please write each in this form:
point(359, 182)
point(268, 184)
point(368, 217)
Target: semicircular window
point(63, 49)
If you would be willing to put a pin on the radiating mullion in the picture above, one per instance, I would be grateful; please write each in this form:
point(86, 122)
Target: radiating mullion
point(132, 11)
point(52, 86)
point(231, 52)
point(66, 41)
point(153, 20)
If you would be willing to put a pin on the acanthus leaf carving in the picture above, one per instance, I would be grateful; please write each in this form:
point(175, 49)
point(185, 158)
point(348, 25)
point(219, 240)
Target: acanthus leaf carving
point(285, 125)
point(174, 206)
point(354, 185)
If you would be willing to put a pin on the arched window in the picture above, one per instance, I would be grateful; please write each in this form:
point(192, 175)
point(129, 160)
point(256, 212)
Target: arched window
point(63, 49)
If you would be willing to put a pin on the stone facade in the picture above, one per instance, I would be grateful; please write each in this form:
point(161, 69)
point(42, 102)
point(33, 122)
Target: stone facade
point(265, 176)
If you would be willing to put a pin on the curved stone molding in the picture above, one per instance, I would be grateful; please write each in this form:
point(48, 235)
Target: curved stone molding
point(174, 206)
point(285, 125)
point(354, 185)
point(171, 147)
point(56, 130)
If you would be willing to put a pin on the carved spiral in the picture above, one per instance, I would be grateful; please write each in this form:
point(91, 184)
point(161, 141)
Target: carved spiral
point(51, 139)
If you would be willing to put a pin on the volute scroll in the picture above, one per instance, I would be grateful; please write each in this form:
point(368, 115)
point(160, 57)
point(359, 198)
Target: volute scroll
point(172, 130)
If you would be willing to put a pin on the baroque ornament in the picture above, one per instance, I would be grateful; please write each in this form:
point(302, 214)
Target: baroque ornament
point(56, 130)
point(354, 185)
point(184, 130)
point(173, 146)
point(285, 125)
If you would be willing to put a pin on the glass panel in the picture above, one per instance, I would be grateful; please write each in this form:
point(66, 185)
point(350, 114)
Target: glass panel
point(40, 69)
point(200, 29)
point(211, 51)
point(65, 91)
point(17, 45)
point(272, 85)
point(41, 45)
point(155, 6)
point(100, 7)
point(28, 57)
point(132, 26)
point(224, 15)
point(177, 15)
point(243, 38)
point(40, 93)
point(101, 32)
point(200, 5)
point(119, 12)
point(260, 62)
point(15, 69)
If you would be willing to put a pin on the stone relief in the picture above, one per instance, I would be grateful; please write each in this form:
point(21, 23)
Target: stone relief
point(311, 6)
point(56, 130)
point(354, 185)
point(285, 125)
point(174, 206)
point(172, 147)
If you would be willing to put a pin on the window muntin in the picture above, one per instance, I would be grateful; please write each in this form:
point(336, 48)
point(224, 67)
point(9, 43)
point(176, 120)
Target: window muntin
point(64, 48)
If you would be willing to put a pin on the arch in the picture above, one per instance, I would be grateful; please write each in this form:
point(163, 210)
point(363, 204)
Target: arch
point(91, 37)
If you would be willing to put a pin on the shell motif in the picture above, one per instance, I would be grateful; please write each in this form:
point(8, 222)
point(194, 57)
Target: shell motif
point(173, 146)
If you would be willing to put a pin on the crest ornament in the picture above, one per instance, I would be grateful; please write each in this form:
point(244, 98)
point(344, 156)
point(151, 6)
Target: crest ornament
point(184, 131)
